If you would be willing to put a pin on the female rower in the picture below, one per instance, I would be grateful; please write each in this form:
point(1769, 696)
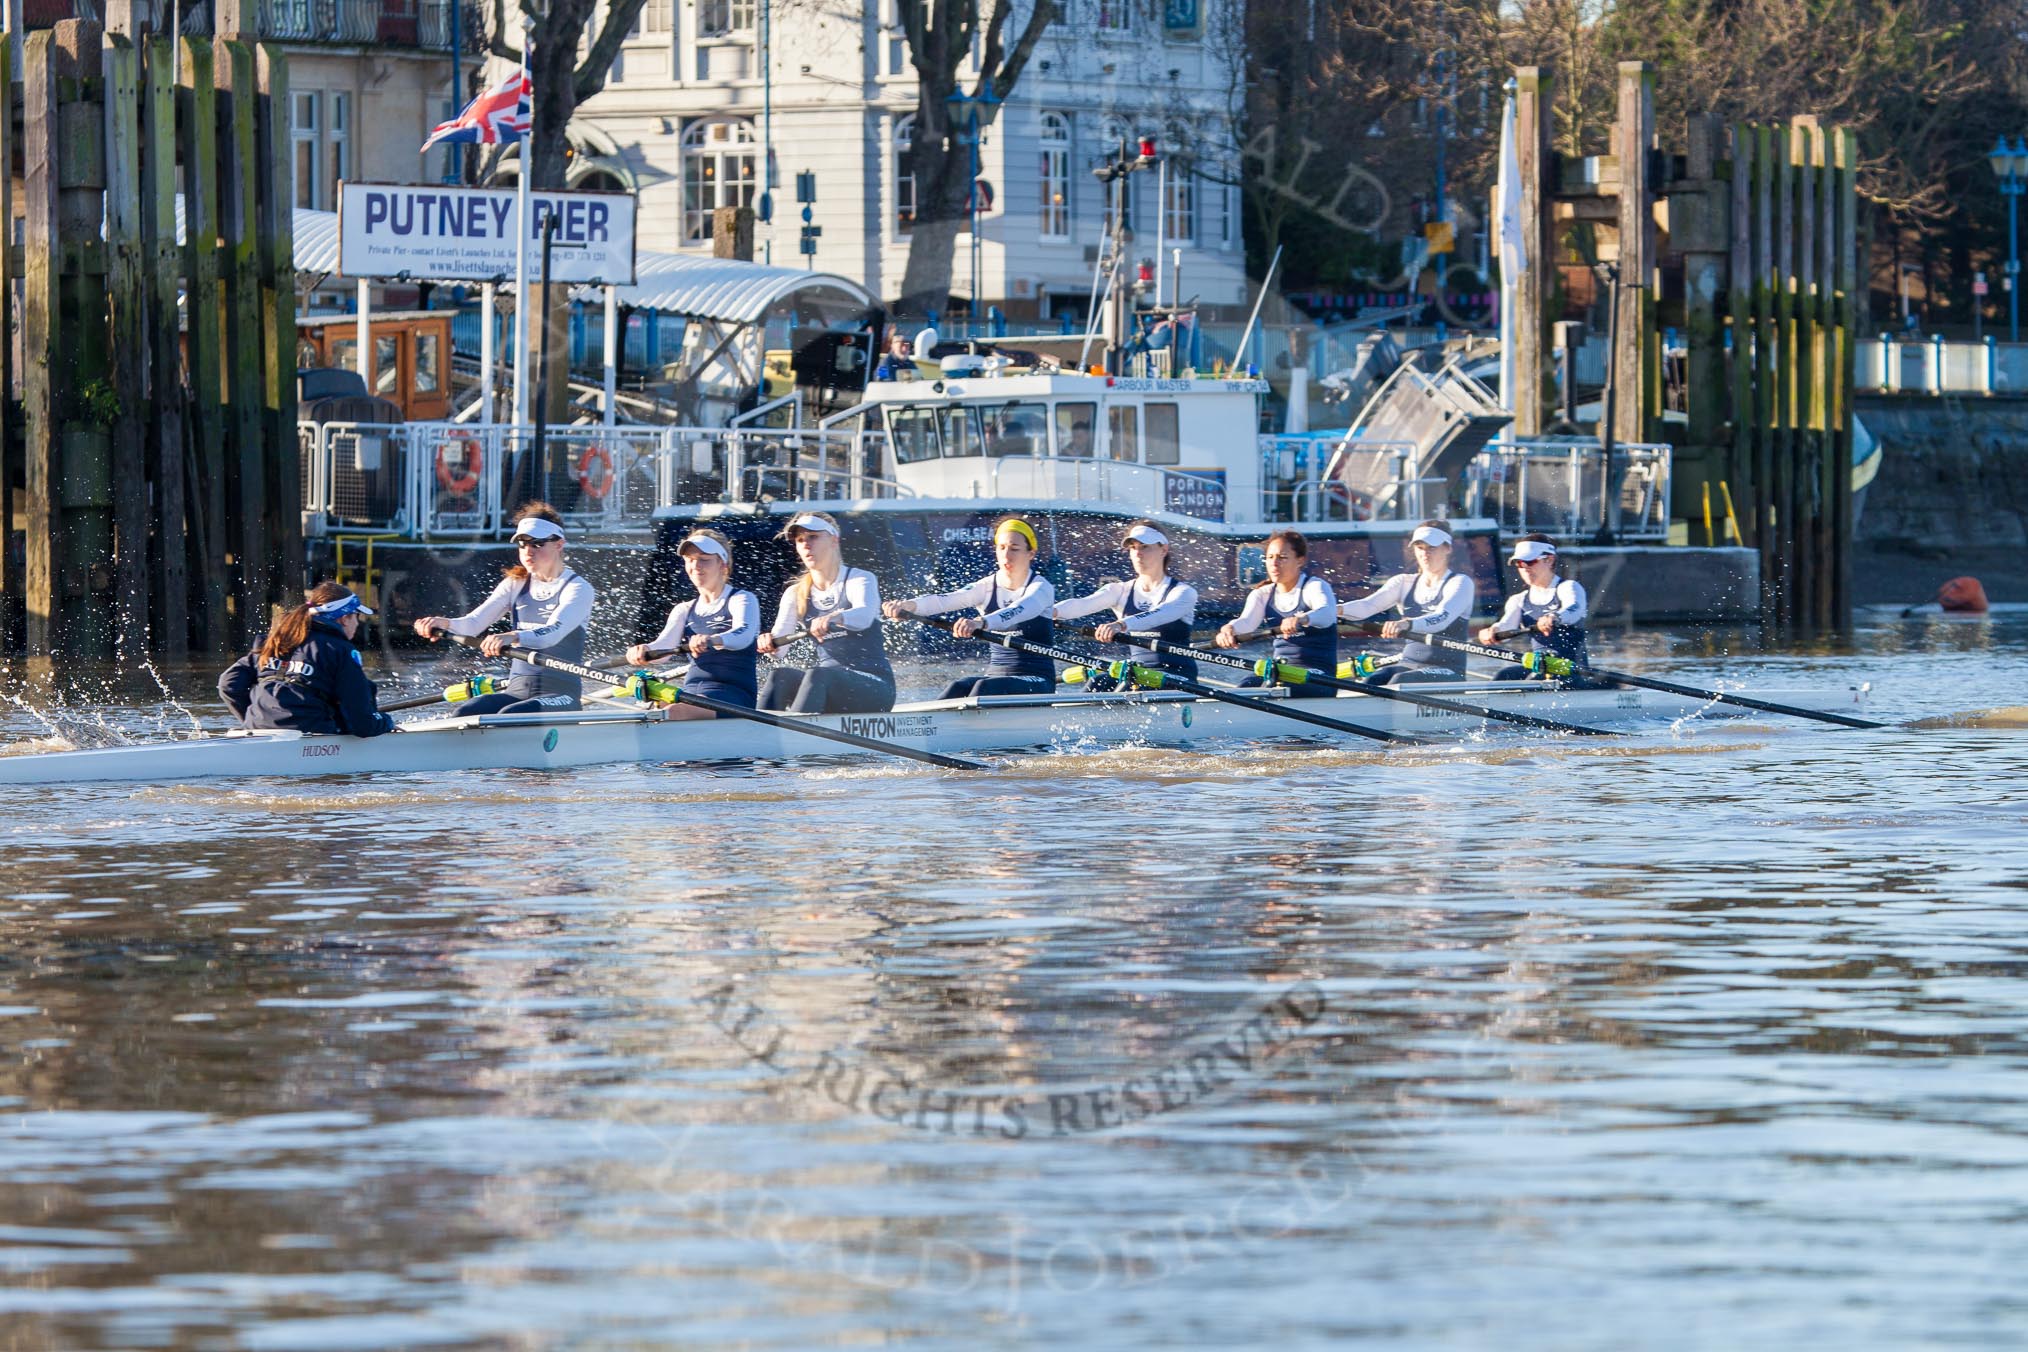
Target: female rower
point(1550, 609)
point(716, 629)
point(1013, 599)
point(1152, 603)
point(1301, 608)
point(306, 675)
point(1432, 600)
point(839, 608)
point(548, 605)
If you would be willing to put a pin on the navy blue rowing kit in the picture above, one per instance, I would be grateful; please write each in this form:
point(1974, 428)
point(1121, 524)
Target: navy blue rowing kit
point(319, 687)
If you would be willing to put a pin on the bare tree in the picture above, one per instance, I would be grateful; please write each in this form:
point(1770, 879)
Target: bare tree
point(564, 67)
point(941, 34)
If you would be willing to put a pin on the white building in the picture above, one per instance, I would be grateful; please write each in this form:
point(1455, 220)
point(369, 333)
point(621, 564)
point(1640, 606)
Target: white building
point(686, 117)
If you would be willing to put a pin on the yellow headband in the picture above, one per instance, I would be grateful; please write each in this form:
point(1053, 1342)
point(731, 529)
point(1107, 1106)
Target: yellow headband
point(1020, 528)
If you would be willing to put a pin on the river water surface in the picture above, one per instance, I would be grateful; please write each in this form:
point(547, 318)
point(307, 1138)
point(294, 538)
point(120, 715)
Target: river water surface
point(1714, 1038)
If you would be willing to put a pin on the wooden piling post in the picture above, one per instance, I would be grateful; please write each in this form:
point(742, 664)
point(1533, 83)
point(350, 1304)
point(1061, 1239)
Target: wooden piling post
point(1633, 137)
point(127, 295)
point(1739, 300)
point(197, 150)
point(11, 465)
point(70, 561)
point(1765, 403)
point(1845, 374)
point(245, 456)
point(1533, 119)
point(276, 266)
point(1803, 365)
point(169, 554)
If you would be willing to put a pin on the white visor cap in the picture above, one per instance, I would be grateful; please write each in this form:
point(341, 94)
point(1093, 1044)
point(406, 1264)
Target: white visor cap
point(816, 525)
point(1528, 551)
point(535, 528)
point(1430, 535)
point(704, 544)
point(1147, 535)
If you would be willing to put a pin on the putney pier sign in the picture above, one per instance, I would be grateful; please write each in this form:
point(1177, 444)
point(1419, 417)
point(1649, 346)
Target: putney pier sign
point(443, 233)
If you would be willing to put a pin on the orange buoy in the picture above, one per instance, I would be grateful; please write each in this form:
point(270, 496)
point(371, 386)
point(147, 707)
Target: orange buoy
point(1962, 596)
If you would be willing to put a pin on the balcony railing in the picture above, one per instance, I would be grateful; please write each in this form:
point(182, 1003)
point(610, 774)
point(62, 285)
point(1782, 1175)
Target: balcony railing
point(340, 21)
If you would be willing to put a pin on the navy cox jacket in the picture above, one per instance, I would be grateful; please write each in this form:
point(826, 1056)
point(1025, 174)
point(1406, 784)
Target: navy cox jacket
point(320, 687)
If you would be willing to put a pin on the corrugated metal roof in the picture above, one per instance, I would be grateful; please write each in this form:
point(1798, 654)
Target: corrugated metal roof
point(724, 288)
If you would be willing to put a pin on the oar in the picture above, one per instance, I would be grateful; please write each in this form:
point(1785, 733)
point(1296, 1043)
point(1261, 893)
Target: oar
point(1293, 674)
point(1154, 678)
point(451, 695)
point(724, 710)
point(1558, 666)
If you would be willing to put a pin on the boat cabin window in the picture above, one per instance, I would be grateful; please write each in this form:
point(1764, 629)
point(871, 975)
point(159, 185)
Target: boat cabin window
point(386, 366)
point(913, 430)
point(961, 431)
point(426, 356)
point(1163, 446)
point(1076, 430)
point(1123, 431)
point(1017, 428)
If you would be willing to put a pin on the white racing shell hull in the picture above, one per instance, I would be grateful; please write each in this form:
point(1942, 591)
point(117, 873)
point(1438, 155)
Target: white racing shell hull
point(615, 735)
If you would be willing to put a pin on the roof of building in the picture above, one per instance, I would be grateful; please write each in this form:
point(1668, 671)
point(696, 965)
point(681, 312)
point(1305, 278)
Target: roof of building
point(729, 288)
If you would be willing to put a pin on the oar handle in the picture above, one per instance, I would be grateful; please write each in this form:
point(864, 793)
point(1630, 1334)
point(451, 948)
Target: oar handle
point(1153, 678)
point(1301, 675)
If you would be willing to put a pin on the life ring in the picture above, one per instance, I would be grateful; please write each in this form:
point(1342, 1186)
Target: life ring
point(461, 476)
point(595, 472)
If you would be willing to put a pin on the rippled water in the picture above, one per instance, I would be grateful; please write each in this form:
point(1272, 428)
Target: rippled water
point(1710, 1040)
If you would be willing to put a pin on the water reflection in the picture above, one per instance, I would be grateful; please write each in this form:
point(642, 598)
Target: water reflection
point(1610, 1045)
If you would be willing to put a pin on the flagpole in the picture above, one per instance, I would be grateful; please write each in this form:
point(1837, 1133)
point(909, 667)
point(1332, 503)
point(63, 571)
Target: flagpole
point(525, 171)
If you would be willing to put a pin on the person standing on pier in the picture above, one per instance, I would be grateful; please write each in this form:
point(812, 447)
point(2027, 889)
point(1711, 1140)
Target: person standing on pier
point(549, 606)
point(839, 608)
point(306, 676)
point(1014, 599)
point(1297, 608)
point(716, 629)
point(1431, 600)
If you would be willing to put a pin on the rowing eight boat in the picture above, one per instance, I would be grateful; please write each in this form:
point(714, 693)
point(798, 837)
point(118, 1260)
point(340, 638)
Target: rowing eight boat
point(622, 734)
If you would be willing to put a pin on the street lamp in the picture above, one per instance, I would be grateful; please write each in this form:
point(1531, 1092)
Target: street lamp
point(966, 107)
point(2010, 165)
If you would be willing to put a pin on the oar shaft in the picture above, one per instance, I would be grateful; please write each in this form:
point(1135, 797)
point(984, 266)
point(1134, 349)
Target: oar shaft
point(1311, 676)
point(1666, 687)
point(1157, 679)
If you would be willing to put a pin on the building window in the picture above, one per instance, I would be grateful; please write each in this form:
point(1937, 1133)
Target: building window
point(1113, 16)
point(1179, 209)
point(904, 180)
point(720, 18)
point(1055, 191)
point(337, 142)
point(303, 131)
point(655, 19)
point(719, 170)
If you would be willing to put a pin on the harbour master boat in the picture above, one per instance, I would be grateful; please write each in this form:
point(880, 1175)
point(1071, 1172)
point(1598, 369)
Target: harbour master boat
point(1071, 721)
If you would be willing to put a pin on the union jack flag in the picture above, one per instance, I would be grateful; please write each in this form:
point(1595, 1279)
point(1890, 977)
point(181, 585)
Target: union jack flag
point(503, 113)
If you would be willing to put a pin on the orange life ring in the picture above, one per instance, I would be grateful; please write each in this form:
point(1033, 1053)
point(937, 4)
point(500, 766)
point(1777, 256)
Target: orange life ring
point(464, 477)
point(595, 472)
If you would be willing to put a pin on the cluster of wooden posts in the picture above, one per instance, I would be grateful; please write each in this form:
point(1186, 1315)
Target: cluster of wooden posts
point(1745, 243)
point(158, 448)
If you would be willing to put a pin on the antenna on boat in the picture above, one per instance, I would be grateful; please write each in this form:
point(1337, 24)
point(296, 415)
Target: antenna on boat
point(1246, 336)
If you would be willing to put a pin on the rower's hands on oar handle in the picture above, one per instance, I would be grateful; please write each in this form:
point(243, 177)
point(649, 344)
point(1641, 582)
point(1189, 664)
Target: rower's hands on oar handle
point(1226, 637)
point(641, 655)
point(432, 627)
point(1394, 629)
point(494, 645)
point(895, 610)
point(1109, 631)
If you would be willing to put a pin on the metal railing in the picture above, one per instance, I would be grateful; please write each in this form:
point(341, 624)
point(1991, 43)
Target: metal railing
point(1312, 479)
point(1120, 483)
point(349, 21)
point(820, 464)
point(1553, 486)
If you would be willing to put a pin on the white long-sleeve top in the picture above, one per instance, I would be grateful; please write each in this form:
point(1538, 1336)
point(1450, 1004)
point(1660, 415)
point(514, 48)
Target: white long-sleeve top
point(861, 609)
point(745, 620)
point(1444, 602)
point(564, 605)
point(1319, 605)
point(1035, 599)
point(1565, 593)
point(1181, 603)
